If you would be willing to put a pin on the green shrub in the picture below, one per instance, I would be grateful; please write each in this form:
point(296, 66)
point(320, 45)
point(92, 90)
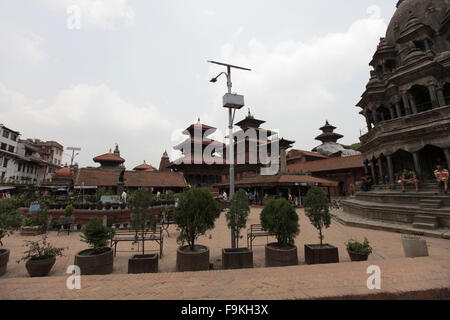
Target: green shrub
point(38, 250)
point(280, 219)
point(196, 213)
point(9, 220)
point(358, 247)
point(97, 235)
point(142, 219)
point(238, 213)
point(68, 210)
point(317, 210)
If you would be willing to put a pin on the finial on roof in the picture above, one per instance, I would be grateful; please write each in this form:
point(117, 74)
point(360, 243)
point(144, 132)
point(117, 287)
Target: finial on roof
point(145, 162)
point(110, 150)
point(198, 120)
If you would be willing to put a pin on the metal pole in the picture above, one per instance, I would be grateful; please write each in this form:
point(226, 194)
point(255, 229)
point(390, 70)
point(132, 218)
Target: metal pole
point(231, 144)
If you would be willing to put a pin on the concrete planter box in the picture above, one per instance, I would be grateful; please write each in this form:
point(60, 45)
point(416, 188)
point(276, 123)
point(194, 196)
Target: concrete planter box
point(4, 258)
point(315, 254)
point(32, 230)
point(41, 267)
point(239, 258)
point(188, 260)
point(95, 263)
point(277, 257)
point(414, 247)
point(147, 263)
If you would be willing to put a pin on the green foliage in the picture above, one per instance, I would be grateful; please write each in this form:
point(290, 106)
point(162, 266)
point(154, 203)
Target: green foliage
point(317, 210)
point(142, 219)
point(196, 213)
point(96, 235)
point(355, 146)
point(9, 220)
point(358, 247)
point(238, 213)
point(38, 250)
point(68, 211)
point(280, 219)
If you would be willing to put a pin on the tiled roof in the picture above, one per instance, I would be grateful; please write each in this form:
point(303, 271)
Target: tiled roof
point(330, 164)
point(296, 154)
point(110, 178)
point(145, 166)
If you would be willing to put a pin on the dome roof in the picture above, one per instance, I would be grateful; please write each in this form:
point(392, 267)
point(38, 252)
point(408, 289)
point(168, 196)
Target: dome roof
point(429, 13)
point(109, 157)
point(64, 172)
point(145, 167)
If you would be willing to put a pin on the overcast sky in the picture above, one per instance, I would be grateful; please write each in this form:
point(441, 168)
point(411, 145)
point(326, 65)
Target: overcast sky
point(135, 73)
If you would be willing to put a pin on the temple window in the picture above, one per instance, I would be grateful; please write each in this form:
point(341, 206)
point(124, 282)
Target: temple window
point(421, 97)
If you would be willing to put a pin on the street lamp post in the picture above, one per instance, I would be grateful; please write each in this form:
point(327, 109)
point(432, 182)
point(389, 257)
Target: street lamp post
point(232, 102)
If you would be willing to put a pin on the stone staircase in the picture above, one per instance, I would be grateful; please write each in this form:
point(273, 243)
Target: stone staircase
point(425, 222)
point(427, 209)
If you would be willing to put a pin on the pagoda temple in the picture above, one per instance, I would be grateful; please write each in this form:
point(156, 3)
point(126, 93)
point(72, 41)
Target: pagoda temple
point(329, 146)
point(200, 168)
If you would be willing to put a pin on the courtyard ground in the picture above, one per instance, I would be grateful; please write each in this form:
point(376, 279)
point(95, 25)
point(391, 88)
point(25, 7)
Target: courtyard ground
point(387, 252)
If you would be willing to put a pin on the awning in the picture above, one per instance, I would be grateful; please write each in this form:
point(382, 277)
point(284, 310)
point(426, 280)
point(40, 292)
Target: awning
point(6, 188)
point(85, 187)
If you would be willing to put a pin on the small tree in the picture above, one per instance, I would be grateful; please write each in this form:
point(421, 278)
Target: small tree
point(68, 210)
point(141, 219)
point(238, 213)
point(195, 214)
point(317, 210)
point(97, 235)
point(280, 219)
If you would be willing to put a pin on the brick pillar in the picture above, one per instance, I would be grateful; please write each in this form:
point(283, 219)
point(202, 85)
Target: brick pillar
point(380, 169)
point(417, 165)
point(440, 96)
point(391, 110)
point(397, 108)
point(406, 103)
point(447, 157)
point(433, 96)
point(372, 168)
point(412, 103)
point(391, 170)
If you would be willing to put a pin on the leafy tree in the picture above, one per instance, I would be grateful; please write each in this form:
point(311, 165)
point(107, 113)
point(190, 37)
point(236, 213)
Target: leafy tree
point(97, 235)
point(280, 219)
point(38, 250)
point(196, 213)
point(317, 210)
point(355, 146)
point(141, 219)
point(238, 213)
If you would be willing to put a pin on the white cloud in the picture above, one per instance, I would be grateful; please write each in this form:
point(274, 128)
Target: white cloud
point(297, 85)
point(92, 117)
point(21, 44)
point(99, 14)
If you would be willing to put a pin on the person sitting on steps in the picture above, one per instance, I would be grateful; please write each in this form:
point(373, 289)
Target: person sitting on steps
point(442, 176)
point(409, 177)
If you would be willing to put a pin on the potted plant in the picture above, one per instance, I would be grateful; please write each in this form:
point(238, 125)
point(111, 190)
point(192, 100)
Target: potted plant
point(40, 257)
point(67, 219)
point(99, 205)
point(9, 222)
point(99, 258)
point(108, 205)
point(358, 251)
point(280, 219)
point(317, 210)
point(236, 216)
point(195, 214)
point(142, 221)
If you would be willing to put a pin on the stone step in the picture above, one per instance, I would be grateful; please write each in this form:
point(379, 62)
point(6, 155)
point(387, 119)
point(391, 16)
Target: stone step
point(421, 218)
point(421, 225)
point(431, 203)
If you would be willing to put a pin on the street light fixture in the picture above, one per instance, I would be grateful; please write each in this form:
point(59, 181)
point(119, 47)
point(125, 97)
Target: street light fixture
point(233, 102)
